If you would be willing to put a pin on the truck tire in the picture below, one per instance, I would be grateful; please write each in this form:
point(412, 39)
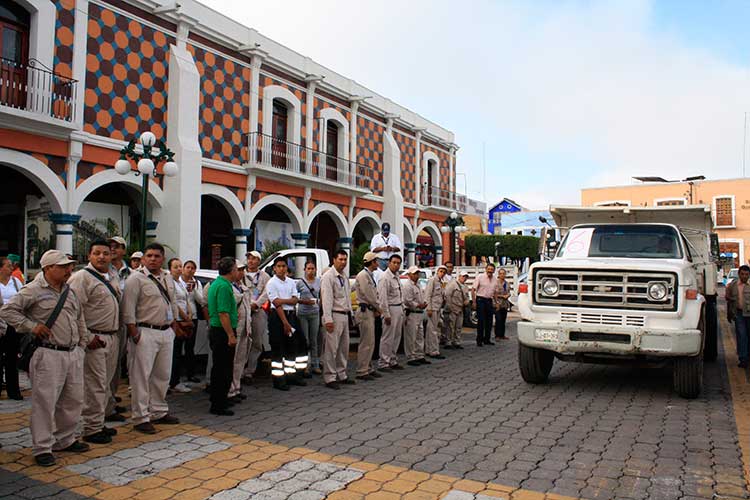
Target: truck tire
point(534, 364)
point(710, 349)
point(687, 376)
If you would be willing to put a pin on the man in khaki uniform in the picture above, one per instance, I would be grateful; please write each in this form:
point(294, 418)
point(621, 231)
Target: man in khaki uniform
point(118, 249)
point(364, 317)
point(56, 369)
point(256, 280)
point(243, 333)
point(414, 306)
point(98, 291)
point(434, 296)
point(149, 312)
point(336, 301)
point(392, 306)
point(456, 299)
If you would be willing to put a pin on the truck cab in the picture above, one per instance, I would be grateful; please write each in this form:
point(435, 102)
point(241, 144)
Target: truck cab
point(624, 285)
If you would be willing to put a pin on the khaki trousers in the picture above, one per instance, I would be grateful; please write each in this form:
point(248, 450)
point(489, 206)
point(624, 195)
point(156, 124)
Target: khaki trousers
point(56, 398)
point(455, 326)
point(336, 349)
point(259, 327)
point(391, 337)
point(366, 341)
point(431, 336)
point(241, 355)
point(414, 336)
point(150, 368)
point(98, 368)
point(122, 344)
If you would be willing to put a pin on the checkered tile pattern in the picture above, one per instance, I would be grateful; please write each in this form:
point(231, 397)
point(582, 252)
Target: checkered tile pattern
point(225, 98)
point(64, 28)
point(318, 106)
point(445, 170)
point(57, 164)
point(408, 148)
point(370, 152)
point(266, 81)
point(126, 76)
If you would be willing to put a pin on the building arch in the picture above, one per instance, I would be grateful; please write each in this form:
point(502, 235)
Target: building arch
point(284, 203)
point(365, 215)
point(109, 176)
point(432, 229)
point(409, 236)
point(40, 174)
point(293, 105)
point(334, 115)
point(228, 199)
point(335, 213)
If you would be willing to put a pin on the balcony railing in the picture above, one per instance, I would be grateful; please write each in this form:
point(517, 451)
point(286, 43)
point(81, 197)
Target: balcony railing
point(435, 196)
point(269, 152)
point(32, 87)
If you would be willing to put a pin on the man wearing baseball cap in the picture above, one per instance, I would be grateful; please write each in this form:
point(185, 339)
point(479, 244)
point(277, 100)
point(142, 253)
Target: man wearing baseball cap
point(256, 280)
point(385, 244)
point(118, 249)
point(456, 298)
point(414, 306)
point(369, 307)
point(47, 309)
point(434, 296)
point(135, 260)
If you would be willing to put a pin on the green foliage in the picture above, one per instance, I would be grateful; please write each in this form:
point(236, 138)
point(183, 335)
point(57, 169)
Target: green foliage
point(511, 246)
point(270, 247)
point(355, 261)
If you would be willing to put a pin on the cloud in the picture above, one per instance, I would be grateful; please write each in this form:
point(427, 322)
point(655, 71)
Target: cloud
point(564, 95)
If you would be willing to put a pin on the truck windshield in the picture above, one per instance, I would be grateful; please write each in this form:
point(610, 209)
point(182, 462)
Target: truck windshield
point(626, 241)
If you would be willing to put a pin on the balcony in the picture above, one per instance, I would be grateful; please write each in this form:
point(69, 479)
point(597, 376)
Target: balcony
point(434, 196)
point(274, 158)
point(31, 91)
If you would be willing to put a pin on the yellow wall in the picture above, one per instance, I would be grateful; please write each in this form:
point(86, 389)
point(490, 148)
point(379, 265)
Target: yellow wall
point(700, 193)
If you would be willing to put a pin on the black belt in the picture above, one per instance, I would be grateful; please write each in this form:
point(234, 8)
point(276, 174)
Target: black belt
point(363, 306)
point(99, 332)
point(394, 305)
point(347, 313)
point(414, 311)
point(154, 327)
point(54, 347)
point(287, 312)
point(483, 298)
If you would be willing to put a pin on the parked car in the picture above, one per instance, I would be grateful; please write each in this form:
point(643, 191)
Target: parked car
point(732, 275)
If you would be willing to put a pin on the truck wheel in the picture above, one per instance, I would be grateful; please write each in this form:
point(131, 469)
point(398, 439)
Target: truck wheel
point(534, 364)
point(687, 376)
point(710, 349)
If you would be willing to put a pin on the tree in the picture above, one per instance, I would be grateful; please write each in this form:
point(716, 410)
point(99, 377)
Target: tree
point(512, 246)
point(355, 260)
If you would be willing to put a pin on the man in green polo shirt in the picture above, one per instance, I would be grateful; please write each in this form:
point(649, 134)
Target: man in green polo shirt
point(222, 312)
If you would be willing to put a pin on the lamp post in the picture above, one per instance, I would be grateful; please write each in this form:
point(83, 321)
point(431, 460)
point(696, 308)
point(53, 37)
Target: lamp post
point(453, 224)
point(146, 163)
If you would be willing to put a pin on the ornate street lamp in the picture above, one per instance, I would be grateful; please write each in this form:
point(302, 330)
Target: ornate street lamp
point(453, 224)
point(146, 163)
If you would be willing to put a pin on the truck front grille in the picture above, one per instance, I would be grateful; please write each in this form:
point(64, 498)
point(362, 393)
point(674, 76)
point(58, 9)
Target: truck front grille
point(605, 289)
point(602, 319)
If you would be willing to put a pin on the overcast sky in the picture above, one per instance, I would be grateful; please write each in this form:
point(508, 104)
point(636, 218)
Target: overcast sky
point(560, 95)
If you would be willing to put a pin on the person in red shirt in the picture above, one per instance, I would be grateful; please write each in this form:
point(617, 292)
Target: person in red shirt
point(16, 262)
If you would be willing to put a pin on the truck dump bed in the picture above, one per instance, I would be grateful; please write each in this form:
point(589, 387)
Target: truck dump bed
point(696, 217)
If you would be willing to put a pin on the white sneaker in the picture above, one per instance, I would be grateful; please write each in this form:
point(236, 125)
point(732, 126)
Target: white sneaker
point(181, 388)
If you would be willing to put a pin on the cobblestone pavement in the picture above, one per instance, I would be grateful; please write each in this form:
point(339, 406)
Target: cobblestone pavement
point(465, 428)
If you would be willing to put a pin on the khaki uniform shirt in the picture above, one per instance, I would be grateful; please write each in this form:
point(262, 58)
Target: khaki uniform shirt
point(455, 296)
point(434, 295)
point(34, 303)
point(413, 296)
point(389, 292)
point(335, 294)
point(366, 289)
point(143, 301)
point(100, 308)
point(257, 286)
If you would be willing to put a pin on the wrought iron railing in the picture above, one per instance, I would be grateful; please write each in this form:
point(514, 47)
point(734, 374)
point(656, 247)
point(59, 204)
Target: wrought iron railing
point(435, 196)
point(267, 151)
point(33, 87)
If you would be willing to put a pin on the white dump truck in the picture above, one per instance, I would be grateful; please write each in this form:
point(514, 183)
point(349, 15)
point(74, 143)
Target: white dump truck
point(626, 284)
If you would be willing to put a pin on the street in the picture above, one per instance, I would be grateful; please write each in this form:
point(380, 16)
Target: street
point(465, 427)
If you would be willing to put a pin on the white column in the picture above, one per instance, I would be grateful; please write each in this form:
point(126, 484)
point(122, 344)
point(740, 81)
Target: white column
point(438, 255)
point(241, 236)
point(453, 149)
point(354, 100)
point(393, 206)
point(64, 231)
point(312, 82)
point(182, 233)
point(253, 141)
point(75, 153)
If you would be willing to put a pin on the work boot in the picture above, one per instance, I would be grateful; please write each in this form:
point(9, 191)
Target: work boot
point(98, 438)
point(45, 459)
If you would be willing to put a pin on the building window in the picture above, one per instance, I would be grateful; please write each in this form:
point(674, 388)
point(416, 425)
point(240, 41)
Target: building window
point(670, 202)
point(332, 150)
point(15, 23)
point(613, 203)
point(724, 211)
point(278, 130)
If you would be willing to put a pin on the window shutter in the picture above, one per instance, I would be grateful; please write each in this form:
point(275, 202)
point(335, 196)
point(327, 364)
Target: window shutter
point(724, 211)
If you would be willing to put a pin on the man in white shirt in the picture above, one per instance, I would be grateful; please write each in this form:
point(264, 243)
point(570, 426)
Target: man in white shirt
point(385, 244)
point(288, 345)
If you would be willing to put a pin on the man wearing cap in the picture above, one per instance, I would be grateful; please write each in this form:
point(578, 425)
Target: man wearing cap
point(369, 307)
point(434, 296)
point(385, 244)
point(56, 368)
point(447, 278)
point(256, 280)
point(118, 249)
point(456, 299)
point(414, 306)
point(149, 311)
point(392, 306)
point(244, 332)
point(97, 288)
point(135, 260)
point(335, 297)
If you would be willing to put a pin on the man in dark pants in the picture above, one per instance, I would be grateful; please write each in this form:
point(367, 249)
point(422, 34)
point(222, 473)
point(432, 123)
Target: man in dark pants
point(222, 312)
point(484, 294)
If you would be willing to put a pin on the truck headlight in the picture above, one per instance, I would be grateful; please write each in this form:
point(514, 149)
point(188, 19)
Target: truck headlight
point(657, 290)
point(550, 287)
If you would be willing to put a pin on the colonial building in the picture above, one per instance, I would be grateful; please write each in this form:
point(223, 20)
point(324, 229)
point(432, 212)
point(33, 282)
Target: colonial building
point(272, 148)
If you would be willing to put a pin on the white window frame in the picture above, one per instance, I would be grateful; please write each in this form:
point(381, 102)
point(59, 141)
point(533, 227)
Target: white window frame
point(734, 211)
point(611, 203)
point(683, 199)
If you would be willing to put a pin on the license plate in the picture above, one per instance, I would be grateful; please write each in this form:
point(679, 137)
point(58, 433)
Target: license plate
point(546, 335)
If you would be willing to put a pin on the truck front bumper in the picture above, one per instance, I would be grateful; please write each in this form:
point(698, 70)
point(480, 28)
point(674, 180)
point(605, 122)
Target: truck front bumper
point(601, 339)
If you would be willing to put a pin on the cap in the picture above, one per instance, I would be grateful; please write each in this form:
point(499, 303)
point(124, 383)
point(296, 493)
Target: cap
point(55, 258)
point(14, 257)
point(463, 273)
point(240, 264)
point(385, 227)
point(254, 253)
point(412, 270)
point(119, 240)
point(369, 257)
point(441, 267)
point(137, 255)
